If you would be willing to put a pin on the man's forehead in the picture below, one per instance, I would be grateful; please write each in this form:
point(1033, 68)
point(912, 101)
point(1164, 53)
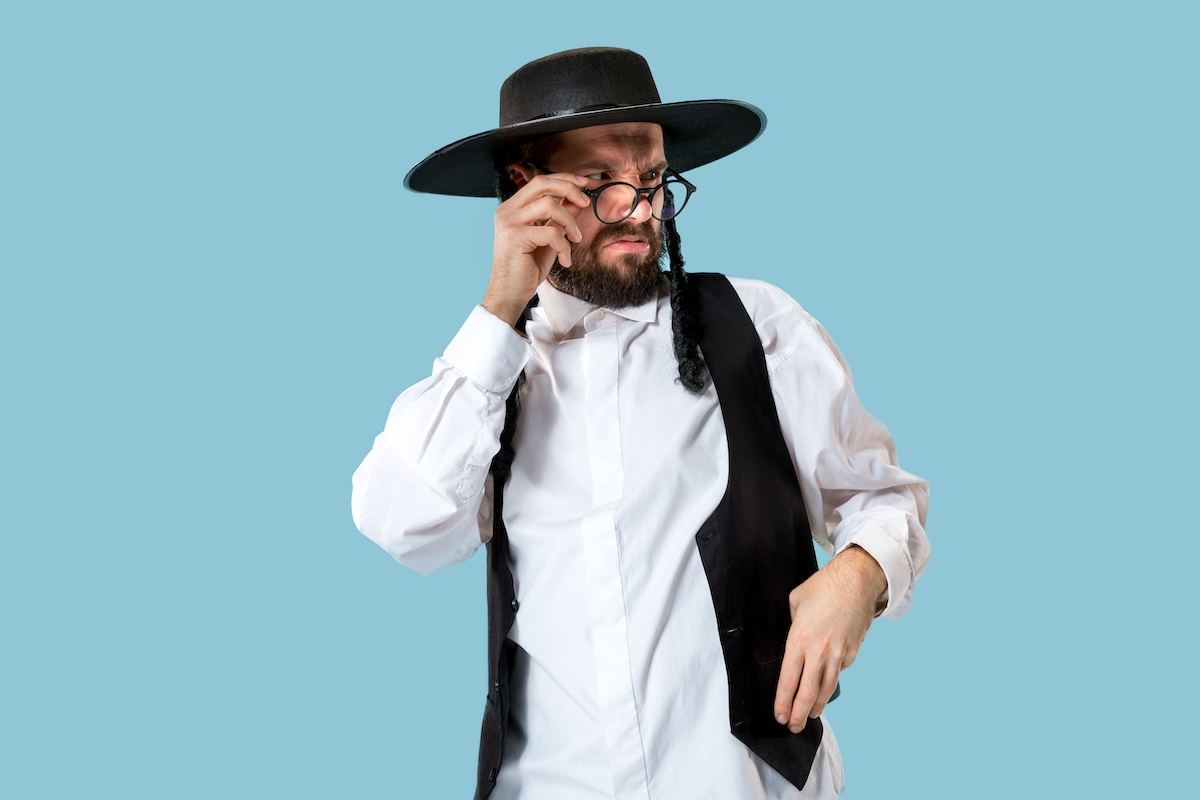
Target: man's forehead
point(639, 141)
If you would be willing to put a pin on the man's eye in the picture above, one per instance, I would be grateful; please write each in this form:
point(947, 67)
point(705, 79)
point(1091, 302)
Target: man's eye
point(596, 176)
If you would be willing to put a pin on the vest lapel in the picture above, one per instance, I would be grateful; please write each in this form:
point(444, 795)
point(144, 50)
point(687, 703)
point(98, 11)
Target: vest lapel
point(757, 545)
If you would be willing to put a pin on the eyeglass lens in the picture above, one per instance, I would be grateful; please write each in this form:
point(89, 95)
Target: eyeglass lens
point(617, 201)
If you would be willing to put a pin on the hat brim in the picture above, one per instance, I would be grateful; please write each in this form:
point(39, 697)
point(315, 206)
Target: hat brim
point(695, 133)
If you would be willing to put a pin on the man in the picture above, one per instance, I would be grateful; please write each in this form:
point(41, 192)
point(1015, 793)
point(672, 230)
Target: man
point(644, 457)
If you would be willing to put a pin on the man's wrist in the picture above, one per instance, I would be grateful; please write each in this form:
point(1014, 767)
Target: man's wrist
point(859, 569)
point(504, 310)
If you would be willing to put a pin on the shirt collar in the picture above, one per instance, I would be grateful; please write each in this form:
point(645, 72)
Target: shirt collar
point(563, 311)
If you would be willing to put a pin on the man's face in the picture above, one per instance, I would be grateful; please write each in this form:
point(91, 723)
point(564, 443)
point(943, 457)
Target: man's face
point(614, 265)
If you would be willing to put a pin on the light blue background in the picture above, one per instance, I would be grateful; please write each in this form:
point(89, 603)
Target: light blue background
point(214, 286)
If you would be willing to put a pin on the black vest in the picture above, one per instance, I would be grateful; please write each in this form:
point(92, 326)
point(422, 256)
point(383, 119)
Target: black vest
point(756, 547)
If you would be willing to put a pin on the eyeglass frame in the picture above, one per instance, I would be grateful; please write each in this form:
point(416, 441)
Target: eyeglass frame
point(648, 192)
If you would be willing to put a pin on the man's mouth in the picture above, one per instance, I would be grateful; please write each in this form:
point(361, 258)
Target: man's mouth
point(627, 244)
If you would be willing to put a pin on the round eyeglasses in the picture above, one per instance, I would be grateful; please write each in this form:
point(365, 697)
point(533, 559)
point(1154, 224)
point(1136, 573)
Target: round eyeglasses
point(616, 202)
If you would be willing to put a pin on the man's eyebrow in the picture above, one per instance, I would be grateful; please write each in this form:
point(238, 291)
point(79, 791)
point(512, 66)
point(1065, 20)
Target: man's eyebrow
point(593, 166)
point(604, 166)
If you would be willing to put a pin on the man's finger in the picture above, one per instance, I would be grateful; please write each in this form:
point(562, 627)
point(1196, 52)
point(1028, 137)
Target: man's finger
point(516, 209)
point(547, 210)
point(552, 237)
point(789, 679)
point(828, 686)
point(568, 177)
point(806, 696)
point(557, 185)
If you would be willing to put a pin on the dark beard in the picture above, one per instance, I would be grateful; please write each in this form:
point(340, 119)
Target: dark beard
point(632, 283)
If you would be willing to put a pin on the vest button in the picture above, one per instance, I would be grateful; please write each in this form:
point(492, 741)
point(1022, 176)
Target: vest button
point(515, 604)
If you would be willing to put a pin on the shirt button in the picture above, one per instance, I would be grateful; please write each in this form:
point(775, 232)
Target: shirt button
point(515, 604)
point(599, 315)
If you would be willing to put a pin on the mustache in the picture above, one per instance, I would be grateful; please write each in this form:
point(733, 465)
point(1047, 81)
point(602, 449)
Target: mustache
point(621, 229)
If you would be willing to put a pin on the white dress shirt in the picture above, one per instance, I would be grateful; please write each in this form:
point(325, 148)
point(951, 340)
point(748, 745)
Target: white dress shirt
point(619, 688)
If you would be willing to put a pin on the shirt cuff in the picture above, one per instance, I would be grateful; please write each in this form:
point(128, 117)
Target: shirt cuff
point(488, 351)
point(883, 546)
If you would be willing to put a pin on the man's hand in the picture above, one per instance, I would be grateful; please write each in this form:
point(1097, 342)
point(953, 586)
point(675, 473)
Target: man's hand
point(533, 227)
point(831, 612)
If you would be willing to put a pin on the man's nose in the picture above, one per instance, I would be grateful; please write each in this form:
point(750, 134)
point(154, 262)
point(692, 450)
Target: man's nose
point(641, 212)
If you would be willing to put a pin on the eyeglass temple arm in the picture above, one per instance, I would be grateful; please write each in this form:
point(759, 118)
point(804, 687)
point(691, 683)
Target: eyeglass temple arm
point(691, 186)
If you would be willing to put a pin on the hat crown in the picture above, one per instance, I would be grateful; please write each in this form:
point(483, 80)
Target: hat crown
point(573, 81)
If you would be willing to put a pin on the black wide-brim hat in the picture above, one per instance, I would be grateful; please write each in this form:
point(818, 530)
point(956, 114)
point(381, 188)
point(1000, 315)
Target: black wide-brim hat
point(578, 89)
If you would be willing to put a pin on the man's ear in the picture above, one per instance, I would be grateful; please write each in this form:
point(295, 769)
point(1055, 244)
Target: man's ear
point(520, 174)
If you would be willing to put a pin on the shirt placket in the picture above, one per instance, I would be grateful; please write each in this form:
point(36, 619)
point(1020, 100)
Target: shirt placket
point(602, 559)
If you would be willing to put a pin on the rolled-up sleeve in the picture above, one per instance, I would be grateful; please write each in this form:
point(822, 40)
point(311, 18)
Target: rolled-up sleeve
point(845, 459)
point(420, 492)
